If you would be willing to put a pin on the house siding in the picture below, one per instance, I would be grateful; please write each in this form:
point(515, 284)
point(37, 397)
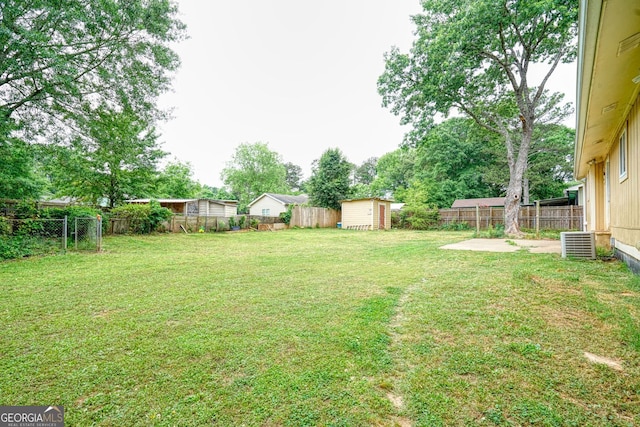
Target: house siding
point(266, 202)
point(625, 201)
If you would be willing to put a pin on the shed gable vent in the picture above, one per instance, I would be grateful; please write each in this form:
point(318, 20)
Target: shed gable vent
point(578, 244)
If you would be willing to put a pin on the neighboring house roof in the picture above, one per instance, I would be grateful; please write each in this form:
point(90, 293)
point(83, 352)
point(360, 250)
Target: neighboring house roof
point(576, 187)
point(285, 199)
point(62, 201)
point(608, 64)
point(472, 203)
point(366, 198)
point(558, 201)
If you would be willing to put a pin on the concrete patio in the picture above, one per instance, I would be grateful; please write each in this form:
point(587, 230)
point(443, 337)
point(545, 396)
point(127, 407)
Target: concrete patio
point(507, 245)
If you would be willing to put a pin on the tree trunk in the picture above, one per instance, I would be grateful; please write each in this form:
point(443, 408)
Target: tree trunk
point(517, 169)
point(512, 205)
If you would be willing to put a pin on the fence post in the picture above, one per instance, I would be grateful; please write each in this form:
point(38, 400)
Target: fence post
point(490, 221)
point(478, 219)
point(537, 219)
point(571, 217)
point(64, 235)
point(99, 233)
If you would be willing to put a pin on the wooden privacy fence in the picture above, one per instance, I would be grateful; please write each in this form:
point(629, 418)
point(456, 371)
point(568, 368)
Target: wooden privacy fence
point(303, 216)
point(550, 217)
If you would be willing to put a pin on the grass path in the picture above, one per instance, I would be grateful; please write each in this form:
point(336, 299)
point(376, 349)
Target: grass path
point(401, 368)
point(319, 327)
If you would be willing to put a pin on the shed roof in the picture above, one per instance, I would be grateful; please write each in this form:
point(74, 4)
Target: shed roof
point(484, 201)
point(220, 202)
point(366, 198)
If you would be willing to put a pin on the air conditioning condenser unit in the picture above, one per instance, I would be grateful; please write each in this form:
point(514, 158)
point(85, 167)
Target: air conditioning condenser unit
point(578, 244)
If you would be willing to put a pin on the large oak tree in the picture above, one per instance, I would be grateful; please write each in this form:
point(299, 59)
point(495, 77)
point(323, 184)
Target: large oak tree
point(476, 57)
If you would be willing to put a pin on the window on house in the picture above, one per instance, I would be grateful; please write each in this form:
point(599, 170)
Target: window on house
point(622, 149)
point(266, 212)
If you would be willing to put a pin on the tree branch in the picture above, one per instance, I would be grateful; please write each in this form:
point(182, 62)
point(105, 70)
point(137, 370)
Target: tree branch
point(555, 63)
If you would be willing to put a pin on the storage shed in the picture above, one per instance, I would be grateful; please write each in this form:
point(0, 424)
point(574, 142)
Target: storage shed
point(366, 214)
point(196, 207)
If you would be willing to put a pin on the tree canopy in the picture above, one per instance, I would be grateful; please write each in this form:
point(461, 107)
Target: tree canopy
point(452, 162)
point(57, 58)
point(253, 170)
point(294, 176)
point(61, 61)
point(114, 158)
point(18, 177)
point(475, 57)
point(176, 181)
point(394, 173)
point(330, 179)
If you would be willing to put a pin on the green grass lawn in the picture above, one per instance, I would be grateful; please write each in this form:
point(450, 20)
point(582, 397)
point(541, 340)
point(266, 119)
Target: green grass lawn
point(319, 327)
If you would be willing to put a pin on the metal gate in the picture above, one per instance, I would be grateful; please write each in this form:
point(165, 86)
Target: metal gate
point(87, 234)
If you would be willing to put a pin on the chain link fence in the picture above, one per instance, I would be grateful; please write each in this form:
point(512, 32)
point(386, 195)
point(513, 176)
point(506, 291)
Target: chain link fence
point(35, 236)
point(87, 234)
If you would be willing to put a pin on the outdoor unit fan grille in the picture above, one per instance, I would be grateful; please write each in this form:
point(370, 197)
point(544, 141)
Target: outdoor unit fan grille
point(578, 244)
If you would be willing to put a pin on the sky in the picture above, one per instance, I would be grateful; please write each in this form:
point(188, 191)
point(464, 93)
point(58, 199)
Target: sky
point(298, 75)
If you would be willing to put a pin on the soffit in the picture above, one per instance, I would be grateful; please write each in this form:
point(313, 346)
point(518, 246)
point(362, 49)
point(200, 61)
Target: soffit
point(610, 61)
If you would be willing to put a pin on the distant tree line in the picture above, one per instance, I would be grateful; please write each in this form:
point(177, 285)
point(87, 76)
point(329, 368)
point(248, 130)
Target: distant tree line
point(79, 83)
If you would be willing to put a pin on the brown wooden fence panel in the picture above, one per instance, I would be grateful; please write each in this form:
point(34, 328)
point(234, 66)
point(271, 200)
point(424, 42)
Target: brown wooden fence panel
point(309, 217)
point(551, 217)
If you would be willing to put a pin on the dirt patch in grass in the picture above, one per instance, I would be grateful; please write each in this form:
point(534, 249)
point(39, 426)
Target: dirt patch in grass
point(601, 360)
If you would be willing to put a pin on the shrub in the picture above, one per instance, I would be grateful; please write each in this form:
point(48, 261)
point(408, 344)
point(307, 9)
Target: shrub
point(142, 218)
point(395, 220)
point(419, 217)
point(29, 227)
point(157, 215)
point(492, 232)
point(456, 226)
point(286, 215)
point(26, 209)
point(5, 227)
point(12, 247)
point(242, 221)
